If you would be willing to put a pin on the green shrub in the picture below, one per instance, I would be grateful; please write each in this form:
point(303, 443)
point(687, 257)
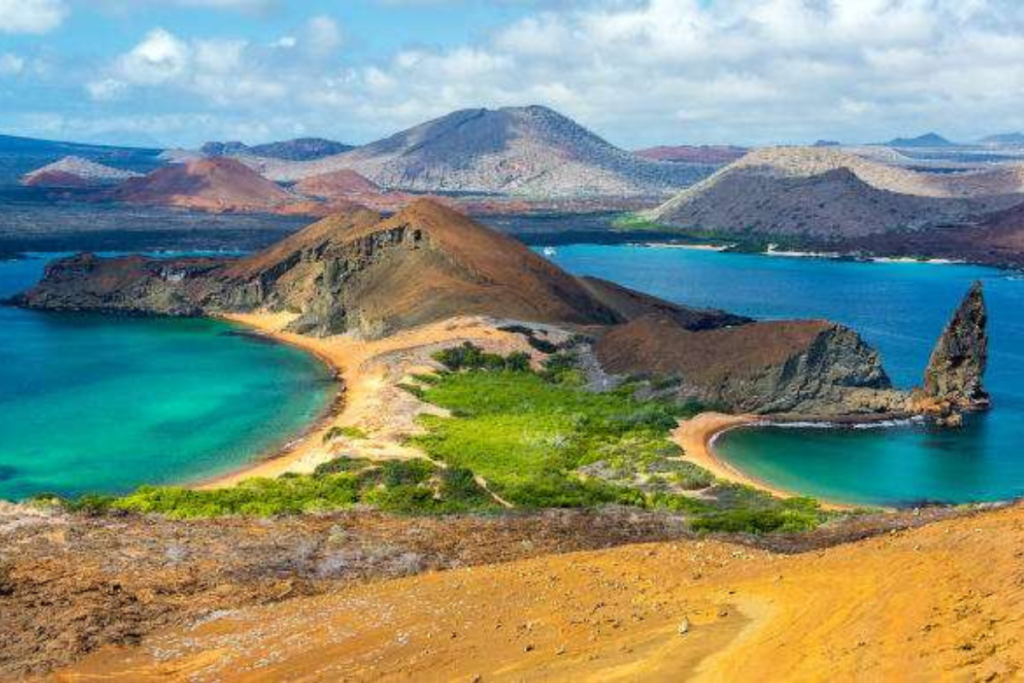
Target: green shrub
point(469, 356)
point(341, 464)
point(527, 435)
point(757, 521)
point(348, 431)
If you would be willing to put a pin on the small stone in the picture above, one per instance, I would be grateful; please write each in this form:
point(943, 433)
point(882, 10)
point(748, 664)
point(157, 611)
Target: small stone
point(528, 648)
point(684, 627)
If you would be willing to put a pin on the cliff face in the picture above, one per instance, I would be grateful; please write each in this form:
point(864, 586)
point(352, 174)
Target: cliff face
point(953, 379)
point(812, 368)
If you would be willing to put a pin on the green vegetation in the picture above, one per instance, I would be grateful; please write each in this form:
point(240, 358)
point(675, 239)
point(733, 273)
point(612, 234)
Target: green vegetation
point(337, 432)
point(787, 516)
point(400, 486)
point(472, 357)
point(635, 221)
point(539, 438)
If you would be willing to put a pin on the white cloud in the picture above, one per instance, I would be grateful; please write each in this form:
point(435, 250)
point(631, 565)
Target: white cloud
point(31, 16)
point(159, 58)
point(222, 72)
point(11, 64)
point(638, 71)
point(323, 35)
point(106, 89)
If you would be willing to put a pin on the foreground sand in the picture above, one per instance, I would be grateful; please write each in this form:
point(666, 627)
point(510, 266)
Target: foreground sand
point(370, 371)
point(942, 602)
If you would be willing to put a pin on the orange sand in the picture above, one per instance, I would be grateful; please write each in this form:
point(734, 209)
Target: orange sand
point(942, 602)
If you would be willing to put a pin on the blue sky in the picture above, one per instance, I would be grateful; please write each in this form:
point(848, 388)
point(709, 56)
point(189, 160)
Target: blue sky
point(639, 72)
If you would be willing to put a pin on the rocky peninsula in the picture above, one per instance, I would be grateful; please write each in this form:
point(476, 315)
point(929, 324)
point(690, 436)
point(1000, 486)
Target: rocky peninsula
point(361, 274)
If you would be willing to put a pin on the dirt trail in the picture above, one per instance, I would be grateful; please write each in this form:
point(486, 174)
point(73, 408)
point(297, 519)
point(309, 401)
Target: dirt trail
point(939, 602)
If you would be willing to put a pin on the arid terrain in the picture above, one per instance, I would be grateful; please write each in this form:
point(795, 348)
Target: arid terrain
point(937, 602)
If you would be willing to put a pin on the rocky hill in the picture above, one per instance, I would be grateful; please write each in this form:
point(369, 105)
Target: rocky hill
point(359, 272)
point(1014, 140)
point(299, 149)
point(926, 140)
point(216, 184)
point(805, 367)
point(19, 156)
point(833, 194)
point(525, 151)
point(341, 184)
point(74, 172)
point(702, 154)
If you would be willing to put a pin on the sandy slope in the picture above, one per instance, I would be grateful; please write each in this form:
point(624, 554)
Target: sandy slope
point(942, 602)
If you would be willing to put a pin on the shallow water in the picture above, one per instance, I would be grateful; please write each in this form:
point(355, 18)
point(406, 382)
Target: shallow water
point(92, 403)
point(901, 309)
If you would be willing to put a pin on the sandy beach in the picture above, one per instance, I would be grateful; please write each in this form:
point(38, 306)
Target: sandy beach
point(369, 372)
point(696, 437)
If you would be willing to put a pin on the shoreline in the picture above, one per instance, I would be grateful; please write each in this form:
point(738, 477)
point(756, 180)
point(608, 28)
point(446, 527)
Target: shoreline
point(369, 372)
point(275, 461)
point(697, 437)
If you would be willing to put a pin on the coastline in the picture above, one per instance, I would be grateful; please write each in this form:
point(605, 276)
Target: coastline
point(697, 436)
point(276, 461)
point(369, 372)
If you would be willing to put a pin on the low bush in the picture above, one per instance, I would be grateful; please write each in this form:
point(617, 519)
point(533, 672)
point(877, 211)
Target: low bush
point(469, 356)
point(401, 486)
point(348, 432)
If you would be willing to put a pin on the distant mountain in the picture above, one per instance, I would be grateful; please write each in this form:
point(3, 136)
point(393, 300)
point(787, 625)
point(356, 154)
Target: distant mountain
point(19, 156)
point(336, 185)
point(299, 149)
point(827, 143)
point(1004, 140)
point(74, 172)
point(525, 151)
point(926, 140)
point(830, 194)
point(216, 184)
point(702, 154)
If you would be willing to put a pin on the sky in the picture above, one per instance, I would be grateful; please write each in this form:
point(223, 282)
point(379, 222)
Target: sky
point(637, 72)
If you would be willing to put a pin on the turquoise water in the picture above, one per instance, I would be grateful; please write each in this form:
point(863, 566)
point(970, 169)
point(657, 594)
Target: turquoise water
point(98, 404)
point(900, 309)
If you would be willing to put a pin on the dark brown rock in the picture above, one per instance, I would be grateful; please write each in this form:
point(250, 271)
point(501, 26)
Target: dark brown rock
point(807, 367)
point(956, 370)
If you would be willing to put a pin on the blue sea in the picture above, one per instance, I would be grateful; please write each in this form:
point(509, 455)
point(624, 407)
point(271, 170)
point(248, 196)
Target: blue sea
point(90, 403)
point(98, 404)
point(901, 309)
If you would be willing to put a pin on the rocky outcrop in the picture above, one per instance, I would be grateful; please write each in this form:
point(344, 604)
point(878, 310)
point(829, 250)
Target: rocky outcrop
point(811, 368)
point(953, 380)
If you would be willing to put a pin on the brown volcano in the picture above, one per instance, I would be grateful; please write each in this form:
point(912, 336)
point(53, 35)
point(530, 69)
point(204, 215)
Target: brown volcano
point(216, 184)
point(341, 184)
point(356, 271)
